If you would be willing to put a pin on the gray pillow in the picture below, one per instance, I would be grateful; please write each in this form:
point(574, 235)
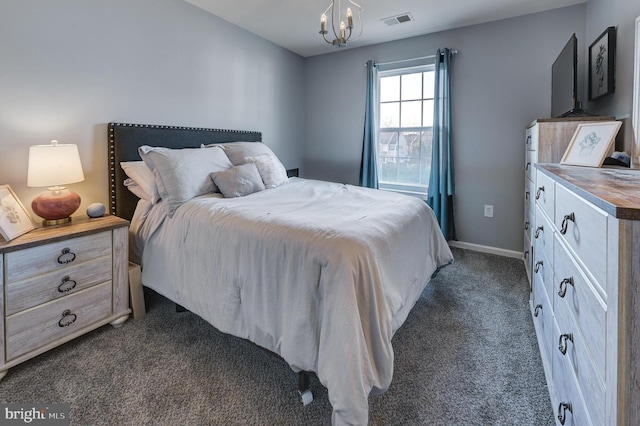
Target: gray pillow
point(238, 181)
point(182, 174)
point(236, 151)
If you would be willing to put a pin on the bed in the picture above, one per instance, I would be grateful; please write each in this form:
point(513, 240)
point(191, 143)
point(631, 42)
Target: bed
point(320, 273)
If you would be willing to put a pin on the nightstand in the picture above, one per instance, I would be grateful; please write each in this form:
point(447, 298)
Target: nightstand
point(60, 282)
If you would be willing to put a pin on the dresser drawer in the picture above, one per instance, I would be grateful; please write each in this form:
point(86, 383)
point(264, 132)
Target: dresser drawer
point(543, 234)
point(543, 270)
point(531, 137)
point(56, 256)
point(36, 327)
point(40, 289)
point(578, 360)
point(527, 255)
point(528, 222)
point(544, 193)
point(583, 227)
point(574, 293)
point(543, 318)
point(566, 391)
point(529, 191)
point(529, 164)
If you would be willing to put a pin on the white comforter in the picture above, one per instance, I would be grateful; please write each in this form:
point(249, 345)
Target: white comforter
point(322, 274)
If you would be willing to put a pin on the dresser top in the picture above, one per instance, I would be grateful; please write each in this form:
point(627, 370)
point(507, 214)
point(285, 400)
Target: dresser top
point(77, 227)
point(573, 118)
point(615, 190)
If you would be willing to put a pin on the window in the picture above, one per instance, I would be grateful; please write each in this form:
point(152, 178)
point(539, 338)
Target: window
point(405, 129)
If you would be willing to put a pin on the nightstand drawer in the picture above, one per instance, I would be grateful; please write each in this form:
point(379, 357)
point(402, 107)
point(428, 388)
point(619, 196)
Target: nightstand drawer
point(40, 289)
point(36, 327)
point(56, 256)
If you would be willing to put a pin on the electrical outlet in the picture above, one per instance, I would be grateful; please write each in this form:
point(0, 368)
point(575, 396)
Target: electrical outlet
point(488, 210)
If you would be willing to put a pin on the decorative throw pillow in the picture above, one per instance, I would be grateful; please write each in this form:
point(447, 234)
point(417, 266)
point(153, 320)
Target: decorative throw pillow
point(238, 181)
point(141, 180)
point(271, 170)
point(182, 174)
point(236, 151)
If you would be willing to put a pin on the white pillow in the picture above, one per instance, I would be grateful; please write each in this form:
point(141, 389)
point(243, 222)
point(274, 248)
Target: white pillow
point(141, 180)
point(182, 174)
point(137, 190)
point(236, 151)
point(238, 181)
point(271, 170)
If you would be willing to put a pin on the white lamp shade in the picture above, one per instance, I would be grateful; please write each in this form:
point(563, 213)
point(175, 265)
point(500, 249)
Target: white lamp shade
point(55, 164)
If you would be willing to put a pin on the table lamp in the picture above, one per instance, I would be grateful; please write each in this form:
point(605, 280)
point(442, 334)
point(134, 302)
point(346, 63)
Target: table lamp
point(53, 166)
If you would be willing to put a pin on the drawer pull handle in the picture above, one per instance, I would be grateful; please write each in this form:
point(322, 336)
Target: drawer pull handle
point(526, 225)
point(528, 166)
point(539, 192)
point(563, 286)
point(526, 254)
point(67, 319)
point(537, 310)
point(526, 195)
point(67, 256)
point(539, 263)
point(538, 230)
point(562, 343)
point(528, 140)
point(563, 407)
point(565, 222)
point(66, 285)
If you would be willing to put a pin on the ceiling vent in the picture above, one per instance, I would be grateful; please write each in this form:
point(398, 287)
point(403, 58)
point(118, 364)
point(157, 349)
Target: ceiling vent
point(398, 19)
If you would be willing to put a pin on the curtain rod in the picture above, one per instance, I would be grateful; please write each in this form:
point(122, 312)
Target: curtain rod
point(453, 52)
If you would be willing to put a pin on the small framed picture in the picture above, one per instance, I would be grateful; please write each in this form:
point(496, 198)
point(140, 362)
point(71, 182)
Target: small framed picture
point(14, 218)
point(591, 143)
point(602, 54)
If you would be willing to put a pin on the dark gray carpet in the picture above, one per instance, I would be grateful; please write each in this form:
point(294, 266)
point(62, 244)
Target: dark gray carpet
point(467, 355)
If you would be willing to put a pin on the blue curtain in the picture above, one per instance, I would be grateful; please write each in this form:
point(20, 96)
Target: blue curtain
point(441, 185)
point(368, 166)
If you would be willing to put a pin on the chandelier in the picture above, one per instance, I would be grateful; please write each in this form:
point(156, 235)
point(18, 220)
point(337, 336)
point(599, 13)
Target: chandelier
point(341, 36)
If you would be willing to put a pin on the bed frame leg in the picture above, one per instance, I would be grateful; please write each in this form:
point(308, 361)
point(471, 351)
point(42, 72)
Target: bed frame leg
point(304, 389)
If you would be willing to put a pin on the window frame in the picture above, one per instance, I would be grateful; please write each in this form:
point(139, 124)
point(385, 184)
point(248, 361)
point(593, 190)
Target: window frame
point(411, 189)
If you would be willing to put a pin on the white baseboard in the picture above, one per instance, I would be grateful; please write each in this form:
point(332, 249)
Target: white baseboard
point(487, 249)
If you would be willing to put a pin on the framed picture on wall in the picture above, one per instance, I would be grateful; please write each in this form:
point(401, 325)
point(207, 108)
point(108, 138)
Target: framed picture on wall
point(591, 143)
point(14, 218)
point(602, 54)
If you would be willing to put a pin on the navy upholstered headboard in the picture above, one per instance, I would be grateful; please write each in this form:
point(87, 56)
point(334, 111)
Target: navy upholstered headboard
point(124, 140)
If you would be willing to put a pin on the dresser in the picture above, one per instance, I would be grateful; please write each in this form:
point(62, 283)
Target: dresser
point(546, 140)
point(60, 282)
point(585, 295)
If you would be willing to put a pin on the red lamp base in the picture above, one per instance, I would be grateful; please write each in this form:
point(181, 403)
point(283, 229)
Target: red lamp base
point(56, 205)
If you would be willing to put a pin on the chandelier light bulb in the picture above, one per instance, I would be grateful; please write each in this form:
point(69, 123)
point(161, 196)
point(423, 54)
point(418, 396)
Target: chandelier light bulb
point(343, 31)
point(323, 24)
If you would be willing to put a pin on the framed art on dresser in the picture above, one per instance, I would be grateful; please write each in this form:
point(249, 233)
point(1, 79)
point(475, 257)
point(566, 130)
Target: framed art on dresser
point(591, 143)
point(14, 218)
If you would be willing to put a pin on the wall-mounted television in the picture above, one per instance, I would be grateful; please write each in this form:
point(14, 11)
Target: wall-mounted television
point(564, 81)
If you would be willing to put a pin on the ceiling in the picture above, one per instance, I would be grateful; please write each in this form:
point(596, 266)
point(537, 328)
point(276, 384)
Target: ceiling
point(294, 24)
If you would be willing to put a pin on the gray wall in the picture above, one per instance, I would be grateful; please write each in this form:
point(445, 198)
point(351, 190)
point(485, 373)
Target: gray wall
point(68, 67)
point(622, 15)
point(501, 81)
